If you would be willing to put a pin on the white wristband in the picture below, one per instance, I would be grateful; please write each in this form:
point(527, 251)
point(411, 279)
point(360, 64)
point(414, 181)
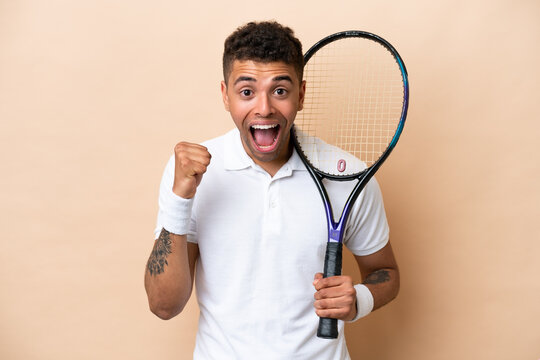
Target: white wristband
point(176, 213)
point(364, 301)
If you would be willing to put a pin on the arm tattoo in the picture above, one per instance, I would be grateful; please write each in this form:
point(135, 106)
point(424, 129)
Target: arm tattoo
point(377, 277)
point(158, 257)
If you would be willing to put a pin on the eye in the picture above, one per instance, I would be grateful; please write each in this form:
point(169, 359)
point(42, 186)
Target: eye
point(280, 91)
point(246, 92)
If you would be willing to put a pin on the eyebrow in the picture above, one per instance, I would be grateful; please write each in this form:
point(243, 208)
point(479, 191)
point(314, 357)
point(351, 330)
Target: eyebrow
point(276, 79)
point(244, 78)
point(283, 78)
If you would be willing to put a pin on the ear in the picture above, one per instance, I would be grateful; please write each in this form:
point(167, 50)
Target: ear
point(302, 95)
point(224, 95)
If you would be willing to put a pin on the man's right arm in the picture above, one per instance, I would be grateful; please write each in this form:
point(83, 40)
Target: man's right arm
point(170, 268)
point(169, 274)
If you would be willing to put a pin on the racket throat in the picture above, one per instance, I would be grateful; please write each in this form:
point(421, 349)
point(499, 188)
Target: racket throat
point(336, 230)
point(334, 236)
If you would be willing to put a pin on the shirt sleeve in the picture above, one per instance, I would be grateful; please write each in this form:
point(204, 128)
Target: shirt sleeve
point(367, 228)
point(164, 188)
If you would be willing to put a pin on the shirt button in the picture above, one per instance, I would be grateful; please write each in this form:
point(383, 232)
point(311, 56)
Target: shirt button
point(273, 204)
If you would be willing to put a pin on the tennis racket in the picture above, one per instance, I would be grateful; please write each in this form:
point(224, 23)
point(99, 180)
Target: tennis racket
point(355, 106)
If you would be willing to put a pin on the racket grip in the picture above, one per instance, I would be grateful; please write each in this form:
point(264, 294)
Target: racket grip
point(332, 267)
point(332, 259)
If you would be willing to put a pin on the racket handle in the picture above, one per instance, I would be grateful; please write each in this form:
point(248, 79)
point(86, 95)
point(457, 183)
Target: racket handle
point(332, 267)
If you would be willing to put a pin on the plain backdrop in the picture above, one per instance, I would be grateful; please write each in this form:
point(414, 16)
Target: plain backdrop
point(95, 94)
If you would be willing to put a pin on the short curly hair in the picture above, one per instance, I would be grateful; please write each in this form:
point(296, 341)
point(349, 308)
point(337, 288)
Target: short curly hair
point(266, 41)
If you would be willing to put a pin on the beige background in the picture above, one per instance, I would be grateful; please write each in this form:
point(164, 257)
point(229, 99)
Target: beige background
point(94, 95)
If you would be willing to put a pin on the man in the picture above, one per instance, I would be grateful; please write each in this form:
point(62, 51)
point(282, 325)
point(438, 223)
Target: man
point(243, 209)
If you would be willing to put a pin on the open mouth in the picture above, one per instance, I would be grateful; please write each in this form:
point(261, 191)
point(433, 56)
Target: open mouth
point(265, 136)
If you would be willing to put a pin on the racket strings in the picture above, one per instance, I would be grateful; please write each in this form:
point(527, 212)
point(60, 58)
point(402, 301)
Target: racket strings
point(354, 98)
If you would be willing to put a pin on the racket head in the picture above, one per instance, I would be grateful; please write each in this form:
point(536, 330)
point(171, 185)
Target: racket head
point(356, 102)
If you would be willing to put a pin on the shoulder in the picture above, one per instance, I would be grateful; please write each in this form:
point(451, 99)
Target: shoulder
point(222, 139)
point(329, 158)
point(216, 146)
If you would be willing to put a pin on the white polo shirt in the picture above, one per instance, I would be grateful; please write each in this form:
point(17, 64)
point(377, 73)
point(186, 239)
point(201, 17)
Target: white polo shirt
point(261, 240)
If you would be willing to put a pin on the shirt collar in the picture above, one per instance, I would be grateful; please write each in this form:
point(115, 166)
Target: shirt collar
point(236, 158)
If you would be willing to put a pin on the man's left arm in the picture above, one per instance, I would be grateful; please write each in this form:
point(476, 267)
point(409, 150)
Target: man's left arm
point(336, 297)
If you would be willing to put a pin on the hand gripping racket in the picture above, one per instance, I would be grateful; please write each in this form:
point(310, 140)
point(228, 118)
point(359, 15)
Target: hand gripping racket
point(355, 106)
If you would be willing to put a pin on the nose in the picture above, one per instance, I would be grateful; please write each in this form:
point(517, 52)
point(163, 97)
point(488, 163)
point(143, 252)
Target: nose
point(264, 106)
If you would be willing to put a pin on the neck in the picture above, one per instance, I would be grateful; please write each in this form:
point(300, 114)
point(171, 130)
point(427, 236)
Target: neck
point(273, 166)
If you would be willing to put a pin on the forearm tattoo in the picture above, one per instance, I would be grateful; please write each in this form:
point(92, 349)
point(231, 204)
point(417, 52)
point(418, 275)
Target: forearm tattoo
point(158, 257)
point(377, 277)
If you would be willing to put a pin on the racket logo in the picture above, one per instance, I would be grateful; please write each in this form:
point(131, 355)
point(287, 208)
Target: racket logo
point(341, 165)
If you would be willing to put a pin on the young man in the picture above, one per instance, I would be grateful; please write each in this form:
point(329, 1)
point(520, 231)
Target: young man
point(244, 211)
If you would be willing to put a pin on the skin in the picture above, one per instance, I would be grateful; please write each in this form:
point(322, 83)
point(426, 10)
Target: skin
point(264, 94)
point(335, 297)
point(255, 94)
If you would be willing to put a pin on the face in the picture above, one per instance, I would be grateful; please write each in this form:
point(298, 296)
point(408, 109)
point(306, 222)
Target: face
point(263, 99)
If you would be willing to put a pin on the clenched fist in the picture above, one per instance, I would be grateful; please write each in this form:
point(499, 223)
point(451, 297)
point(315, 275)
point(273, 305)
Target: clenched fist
point(191, 161)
